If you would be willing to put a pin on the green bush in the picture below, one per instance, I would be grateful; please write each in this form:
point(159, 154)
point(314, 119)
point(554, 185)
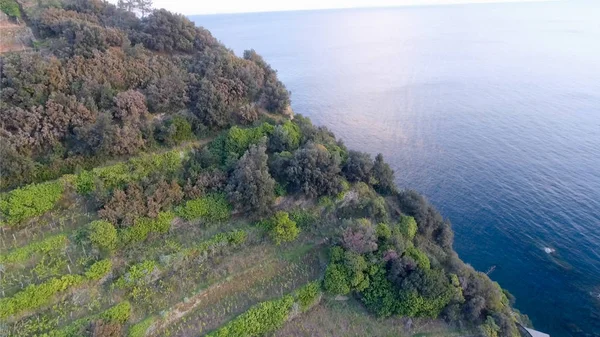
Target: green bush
point(10, 8)
point(134, 169)
point(30, 201)
point(303, 217)
point(139, 329)
point(211, 208)
point(35, 296)
point(408, 227)
point(282, 228)
point(119, 313)
point(103, 235)
point(238, 140)
point(98, 270)
point(142, 227)
point(84, 182)
point(336, 279)
point(136, 274)
point(42, 247)
point(308, 295)
point(420, 257)
point(258, 320)
point(383, 231)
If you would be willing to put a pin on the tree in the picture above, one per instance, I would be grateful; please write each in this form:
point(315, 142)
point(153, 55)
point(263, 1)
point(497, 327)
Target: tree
point(408, 227)
point(251, 187)
point(314, 171)
point(383, 176)
point(103, 235)
point(283, 229)
point(359, 236)
point(144, 6)
point(358, 167)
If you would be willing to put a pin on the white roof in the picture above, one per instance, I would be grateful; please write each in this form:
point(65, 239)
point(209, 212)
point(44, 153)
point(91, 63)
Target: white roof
point(536, 333)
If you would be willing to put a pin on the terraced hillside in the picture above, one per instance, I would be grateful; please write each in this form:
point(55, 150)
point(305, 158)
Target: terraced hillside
point(155, 184)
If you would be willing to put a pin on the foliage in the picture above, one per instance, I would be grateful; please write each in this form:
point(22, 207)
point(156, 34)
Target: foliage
point(359, 236)
point(119, 313)
point(10, 8)
point(314, 171)
point(420, 257)
point(251, 187)
point(383, 231)
point(98, 270)
point(30, 201)
point(308, 295)
point(408, 227)
point(383, 176)
point(211, 208)
point(142, 227)
point(41, 247)
point(35, 296)
point(304, 218)
point(358, 167)
point(336, 279)
point(258, 320)
point(139, 329)
point(282, 228)
point(285, 137)
point(103, 235)
point(136, 274)
point(175, 131)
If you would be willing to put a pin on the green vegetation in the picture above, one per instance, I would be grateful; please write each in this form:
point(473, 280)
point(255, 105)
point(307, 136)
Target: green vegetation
point(165, 148)
point(22, 254)
point(10, 8)
point(103, 235)
point(29, 201)
point(212, 208)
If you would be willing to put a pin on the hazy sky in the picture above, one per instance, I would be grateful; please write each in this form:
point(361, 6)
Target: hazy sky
point(190, 7)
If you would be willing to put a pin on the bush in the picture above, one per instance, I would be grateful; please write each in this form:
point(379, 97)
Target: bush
point(282, 228)
point(308, 295)
point(119, 313)
point(36, 295)
point(85, 182)
point(336, 279)
point(137, 274)
point(139, 329)
point(10, 8)
point(103, 235)
point(211, 208)
point(420, 257)
point(258, 320)
point(41, 247)
point(142, 227)
point(408, 227)
point(98, 270)
point(30, 201)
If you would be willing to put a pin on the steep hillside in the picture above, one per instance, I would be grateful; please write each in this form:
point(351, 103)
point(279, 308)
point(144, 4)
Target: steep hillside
point(158, 185)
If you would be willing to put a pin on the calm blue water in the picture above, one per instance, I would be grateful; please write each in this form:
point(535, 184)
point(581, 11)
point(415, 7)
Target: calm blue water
point(491, 111)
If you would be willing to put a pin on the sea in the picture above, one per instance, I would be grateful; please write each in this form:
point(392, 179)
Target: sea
point(492, 111)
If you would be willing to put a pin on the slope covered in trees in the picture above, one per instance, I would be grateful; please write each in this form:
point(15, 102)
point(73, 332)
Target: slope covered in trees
point(157, 184)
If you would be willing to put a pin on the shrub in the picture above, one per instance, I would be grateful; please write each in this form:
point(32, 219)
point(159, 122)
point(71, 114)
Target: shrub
point(10, 8)
point(142, 227)
point(30, 201)
point(303, 217)
point(98, 270)
point(282, 228)
point(103, 235)
point(139, 329)
point(308, 295)
point(119, 313)
point(238, 140)
point(258, 320)
point(420, 257)
point(41, 247)
point(336, 279)
point(85, 182)
point(36, 295)
point(408, 227)
point(137, 274)
point(211, 208)
point(383, 231)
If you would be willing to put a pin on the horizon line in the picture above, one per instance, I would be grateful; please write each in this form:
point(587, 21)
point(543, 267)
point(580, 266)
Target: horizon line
point(465, 2)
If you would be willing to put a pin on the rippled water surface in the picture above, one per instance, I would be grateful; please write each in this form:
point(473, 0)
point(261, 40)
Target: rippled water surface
point(491, 111)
